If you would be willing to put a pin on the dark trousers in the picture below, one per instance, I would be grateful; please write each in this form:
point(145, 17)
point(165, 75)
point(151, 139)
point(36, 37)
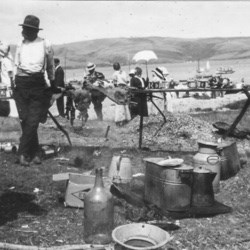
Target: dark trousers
point(60, 105)
point(139, 105)
point(32, 101)
point(97, 102)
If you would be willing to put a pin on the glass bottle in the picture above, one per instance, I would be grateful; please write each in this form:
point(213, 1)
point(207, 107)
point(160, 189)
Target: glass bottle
point(98, 213)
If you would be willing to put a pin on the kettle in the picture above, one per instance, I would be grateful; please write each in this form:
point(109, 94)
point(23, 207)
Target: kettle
point(208, 157)
point(202, 189)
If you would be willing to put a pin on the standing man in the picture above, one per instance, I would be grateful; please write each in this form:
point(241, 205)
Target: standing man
point(97, 97)
point(59, 82)
point(34, 58)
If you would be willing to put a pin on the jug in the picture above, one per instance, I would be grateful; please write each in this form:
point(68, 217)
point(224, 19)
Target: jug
point(202, 189)
point(98, 213)
point(120, 171)
point(208, 158)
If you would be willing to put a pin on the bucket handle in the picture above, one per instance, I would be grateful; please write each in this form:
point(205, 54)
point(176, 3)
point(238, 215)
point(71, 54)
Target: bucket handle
point(118, 164)
point(213, 157)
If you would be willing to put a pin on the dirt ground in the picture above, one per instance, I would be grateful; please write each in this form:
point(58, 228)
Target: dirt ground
point(32, 204)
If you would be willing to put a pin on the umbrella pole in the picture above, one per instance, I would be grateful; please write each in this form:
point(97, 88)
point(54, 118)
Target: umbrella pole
point(147, 68)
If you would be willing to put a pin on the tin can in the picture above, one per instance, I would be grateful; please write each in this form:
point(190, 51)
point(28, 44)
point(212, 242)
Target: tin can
point(9, 148)
point(49, 151)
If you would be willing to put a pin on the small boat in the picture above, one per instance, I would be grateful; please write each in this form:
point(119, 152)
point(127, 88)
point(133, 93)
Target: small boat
point(221, 71)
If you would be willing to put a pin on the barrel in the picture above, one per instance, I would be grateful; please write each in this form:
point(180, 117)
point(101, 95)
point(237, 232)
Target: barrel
point(230, 160)
point(165, 187)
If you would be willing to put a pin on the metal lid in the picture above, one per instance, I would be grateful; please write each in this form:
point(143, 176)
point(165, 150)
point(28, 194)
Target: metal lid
point(170, 162)
point(153, 159)
point(213, 144)
point(201, 170)
point(185, 168)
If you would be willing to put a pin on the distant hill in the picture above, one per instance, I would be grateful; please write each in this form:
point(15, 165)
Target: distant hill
point(106, 51)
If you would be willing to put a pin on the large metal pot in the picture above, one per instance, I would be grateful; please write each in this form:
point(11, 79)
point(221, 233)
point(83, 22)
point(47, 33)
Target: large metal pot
point(230, 160)
point(168, 187)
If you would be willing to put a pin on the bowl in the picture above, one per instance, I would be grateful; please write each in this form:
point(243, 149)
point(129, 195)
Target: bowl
point(138, 236)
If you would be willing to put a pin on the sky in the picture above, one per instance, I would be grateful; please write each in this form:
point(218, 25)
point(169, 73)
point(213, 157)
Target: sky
point(72, 21)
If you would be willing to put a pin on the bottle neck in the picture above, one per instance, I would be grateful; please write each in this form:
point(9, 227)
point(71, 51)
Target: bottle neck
point(98, 178)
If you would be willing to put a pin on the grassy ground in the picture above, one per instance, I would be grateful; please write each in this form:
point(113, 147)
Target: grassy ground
point(32, 208)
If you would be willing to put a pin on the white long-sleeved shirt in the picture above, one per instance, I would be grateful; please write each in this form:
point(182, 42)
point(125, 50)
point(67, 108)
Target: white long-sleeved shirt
point(35, 57)
point(120, 77)
point(6, 69)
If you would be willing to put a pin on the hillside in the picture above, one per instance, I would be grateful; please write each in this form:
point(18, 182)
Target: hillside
point(106, 51)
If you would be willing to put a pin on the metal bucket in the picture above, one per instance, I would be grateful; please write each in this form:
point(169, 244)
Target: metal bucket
point(167, 187)
point(230, 160)
point(139, 236)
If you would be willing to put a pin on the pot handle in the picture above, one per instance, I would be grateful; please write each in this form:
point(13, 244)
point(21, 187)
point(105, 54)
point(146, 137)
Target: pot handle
point(212, 159)
point(118, 163)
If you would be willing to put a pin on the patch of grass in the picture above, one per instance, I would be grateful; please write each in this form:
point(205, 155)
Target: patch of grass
point(226, 116)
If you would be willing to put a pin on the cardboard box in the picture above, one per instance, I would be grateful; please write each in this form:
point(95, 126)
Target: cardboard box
point(77, 186)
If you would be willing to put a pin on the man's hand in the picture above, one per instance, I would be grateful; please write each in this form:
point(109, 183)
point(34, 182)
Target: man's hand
point(54, 88)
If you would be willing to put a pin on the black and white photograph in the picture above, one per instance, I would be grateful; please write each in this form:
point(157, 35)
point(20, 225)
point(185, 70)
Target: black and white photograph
point(124, 125)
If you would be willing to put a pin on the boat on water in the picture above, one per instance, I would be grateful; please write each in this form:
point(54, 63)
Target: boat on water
point(222, 70)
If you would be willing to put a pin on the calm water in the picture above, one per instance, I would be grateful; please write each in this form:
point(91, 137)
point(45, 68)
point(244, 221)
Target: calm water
point(178, 71)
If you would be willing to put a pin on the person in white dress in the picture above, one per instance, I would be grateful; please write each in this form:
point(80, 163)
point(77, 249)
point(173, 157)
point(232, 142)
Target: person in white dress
point(6, 68)
point(7, 76)
point(119, 78)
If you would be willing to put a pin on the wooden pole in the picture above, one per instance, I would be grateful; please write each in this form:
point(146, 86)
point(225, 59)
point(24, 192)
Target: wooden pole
point(60, 127)
point(141, 121)
point(239, 117)
point(9, 246)
point(147, 68)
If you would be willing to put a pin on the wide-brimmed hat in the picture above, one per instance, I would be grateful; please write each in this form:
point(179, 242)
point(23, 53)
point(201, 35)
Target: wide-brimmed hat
point(132, 72)
point(31, 22)
point(158, 73)
point(164, 70)
point(90, 66)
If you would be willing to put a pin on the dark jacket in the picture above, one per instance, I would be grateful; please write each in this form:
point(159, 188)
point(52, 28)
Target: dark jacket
point(91, 78)
point(140, 99)
point(59, 77)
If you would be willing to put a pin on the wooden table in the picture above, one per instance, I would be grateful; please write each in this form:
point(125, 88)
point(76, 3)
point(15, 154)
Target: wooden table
point(149, 92)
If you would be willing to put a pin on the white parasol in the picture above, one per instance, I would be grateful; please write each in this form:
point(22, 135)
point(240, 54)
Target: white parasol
point(145, 55)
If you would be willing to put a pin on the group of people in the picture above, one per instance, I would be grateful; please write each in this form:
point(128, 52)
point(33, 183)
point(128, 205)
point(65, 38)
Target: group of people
point(138, 104)
point(218, 83)
point(123, 113)
point(37, 77)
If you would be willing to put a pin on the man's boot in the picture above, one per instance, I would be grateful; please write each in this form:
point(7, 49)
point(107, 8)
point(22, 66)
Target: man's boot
point(37, 160)
point(23, 161)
